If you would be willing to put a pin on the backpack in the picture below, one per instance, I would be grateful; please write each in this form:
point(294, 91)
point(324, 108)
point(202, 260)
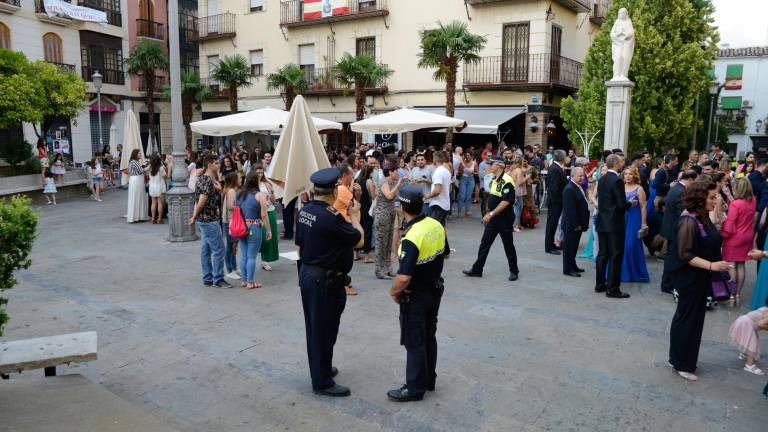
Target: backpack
point(237, 228)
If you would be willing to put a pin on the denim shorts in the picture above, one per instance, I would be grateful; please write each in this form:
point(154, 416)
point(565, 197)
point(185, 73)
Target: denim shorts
point(96, 180)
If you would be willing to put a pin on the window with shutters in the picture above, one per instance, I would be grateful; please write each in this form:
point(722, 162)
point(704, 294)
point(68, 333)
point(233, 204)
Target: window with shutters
point(307, 58)
point(213, 61)
point(257, 62)
point(514, 52)
point(5, 36)
point(54, 50)
point(366, 46)
point(256, 5)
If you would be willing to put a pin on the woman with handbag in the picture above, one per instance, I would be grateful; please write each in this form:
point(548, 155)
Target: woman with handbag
point(269, 248)
point(253, 206)
point(694, 253)
point(738, 232)
point(633, 266)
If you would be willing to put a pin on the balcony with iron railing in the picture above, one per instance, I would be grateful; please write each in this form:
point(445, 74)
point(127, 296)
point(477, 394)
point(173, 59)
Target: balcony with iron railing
point(574, 5)
point(65, 67)
point(42, 15)
point(295, 13)
point(533, 72)
point(109, 76)
point(160, 81)
point(216, 27)
point(218, 91)
point(149, 29)
point(112, 9)
point(10, 6)
point(599, 11)
point(322, 81)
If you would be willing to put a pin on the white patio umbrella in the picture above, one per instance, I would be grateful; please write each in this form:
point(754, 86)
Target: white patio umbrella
point(113, 142)
point(406, 120)
point(152, 147)
point(258, 120)
point(131, 141)
point(299, 152)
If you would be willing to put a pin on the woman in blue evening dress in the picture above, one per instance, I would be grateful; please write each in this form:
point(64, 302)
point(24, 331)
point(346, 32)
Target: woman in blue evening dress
point(633, 267)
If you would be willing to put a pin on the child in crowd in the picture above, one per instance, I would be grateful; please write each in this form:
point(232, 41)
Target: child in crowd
point(58, 170)
point(744, 335)
point(50, 188)
point(95, 173)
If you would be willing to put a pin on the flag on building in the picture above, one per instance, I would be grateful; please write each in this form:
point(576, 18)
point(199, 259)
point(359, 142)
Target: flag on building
point(316, 9)
point(733, 76)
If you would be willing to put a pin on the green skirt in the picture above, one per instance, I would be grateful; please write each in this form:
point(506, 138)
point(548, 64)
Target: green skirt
point(269, 251)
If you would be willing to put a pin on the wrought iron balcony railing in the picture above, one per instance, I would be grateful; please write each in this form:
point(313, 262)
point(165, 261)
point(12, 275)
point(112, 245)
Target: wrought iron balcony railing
point(16, 3)
point(110, 7)
point(575, 5)
point(322, 81)
point(294, 13)
point(599, 11)
point(218, 90)
point(216, 26)
point(531, 72)
point(65, 67)
point(149, 29)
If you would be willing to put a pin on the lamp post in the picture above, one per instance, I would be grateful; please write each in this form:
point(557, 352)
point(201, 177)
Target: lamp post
point(713, 90)
point(98, 79)
point(181, 199)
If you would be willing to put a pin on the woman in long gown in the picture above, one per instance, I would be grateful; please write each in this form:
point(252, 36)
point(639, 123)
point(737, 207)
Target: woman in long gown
point(760, 295)
point(633, 267)
point(590, 249)
point(137, 195)
point(694, 253)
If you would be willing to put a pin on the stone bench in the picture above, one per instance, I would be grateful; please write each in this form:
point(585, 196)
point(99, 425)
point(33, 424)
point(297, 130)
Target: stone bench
point(46, 352)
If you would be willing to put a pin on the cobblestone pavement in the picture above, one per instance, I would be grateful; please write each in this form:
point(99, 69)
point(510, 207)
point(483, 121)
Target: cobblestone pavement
point(543, 353)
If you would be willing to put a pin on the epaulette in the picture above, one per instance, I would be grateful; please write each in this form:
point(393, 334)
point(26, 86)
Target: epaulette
point(333, 210)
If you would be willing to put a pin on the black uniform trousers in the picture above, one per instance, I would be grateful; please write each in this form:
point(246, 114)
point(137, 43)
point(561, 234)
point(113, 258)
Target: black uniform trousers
point(418, 324)
point(609, 259)
point(554, 210)
point(493, 229)
point(570, 247)
point(323, 302)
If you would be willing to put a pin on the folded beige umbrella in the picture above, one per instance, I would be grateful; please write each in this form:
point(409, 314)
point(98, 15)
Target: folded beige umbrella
point(131, 141)
point(299, 152)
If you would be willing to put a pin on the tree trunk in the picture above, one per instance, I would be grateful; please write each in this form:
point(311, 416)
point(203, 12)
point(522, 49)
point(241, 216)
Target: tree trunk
point(233, 98)
point(450, 100)
point(359, 108)
point(149, 80)
point(289, 97)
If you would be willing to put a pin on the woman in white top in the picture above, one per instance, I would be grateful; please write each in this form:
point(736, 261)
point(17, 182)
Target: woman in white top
point(157, 187)
point(192, 170)
point(269, 249)
point(96, 174)
point(466, 174)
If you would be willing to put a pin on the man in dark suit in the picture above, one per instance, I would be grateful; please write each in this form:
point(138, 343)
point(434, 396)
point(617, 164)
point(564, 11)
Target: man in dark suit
point(556, 181)
point(611, 206)
point(757, 177)
point(673, 208)
point(575, 221)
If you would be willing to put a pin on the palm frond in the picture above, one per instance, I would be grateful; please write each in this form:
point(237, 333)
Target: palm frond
point(289, 75)
point(145, 58)
point(233, 70)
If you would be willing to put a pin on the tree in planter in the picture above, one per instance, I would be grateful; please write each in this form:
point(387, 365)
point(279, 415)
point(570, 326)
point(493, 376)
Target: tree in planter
point(15, 152)
point(146, 59)
point(444, 49)
point(193, 94)
point(289, 79)
point(363, 72)
point(233, 72)
point(675, 45)
point(18, 226)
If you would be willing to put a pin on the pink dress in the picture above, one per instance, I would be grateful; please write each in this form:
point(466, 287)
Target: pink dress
point(738, 230)
point(744, 332)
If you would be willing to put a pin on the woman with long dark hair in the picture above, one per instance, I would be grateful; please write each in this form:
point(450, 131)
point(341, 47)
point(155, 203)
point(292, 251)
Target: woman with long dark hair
point(253, 205)
point(229, 196)
point(157, 187)
point(106, 165)
point(269, 250)
point(366, 220)
point(228, 166)
point(42, 155)
point(137, 196)
point(694, 255)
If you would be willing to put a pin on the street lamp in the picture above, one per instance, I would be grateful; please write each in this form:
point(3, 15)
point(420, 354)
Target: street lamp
point(551, 128)
point(714, 89)
point(758, 125)
point(98, 79)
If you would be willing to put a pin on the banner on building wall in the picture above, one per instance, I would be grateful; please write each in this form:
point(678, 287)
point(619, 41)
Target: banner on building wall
point(733, 75)
point(316, 9)
point(62, 8)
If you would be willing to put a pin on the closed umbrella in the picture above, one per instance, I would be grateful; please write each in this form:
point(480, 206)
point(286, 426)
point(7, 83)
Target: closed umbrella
point(131, 141)
point(299, 152)
point(259, 120)
point(152, 147)
point(406, 120)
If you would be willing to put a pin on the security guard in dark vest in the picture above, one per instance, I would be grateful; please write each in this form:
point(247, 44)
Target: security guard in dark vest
point(499, 221)
point(326, 241)
point(418, 289)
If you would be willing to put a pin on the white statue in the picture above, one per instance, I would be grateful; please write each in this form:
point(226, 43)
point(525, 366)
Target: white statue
point(622, 45)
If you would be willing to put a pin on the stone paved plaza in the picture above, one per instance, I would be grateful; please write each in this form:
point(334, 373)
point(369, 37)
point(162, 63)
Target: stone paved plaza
point(542, 354)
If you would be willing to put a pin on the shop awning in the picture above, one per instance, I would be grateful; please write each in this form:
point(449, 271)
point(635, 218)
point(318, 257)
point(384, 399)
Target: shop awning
point(481, 120)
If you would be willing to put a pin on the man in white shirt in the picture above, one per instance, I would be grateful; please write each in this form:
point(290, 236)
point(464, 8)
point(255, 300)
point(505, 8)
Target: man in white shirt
point(439, 196)
point(421, 176)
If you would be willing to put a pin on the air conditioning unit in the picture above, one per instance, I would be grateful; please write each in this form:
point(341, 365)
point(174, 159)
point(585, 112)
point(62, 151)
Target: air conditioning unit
point(746, 103)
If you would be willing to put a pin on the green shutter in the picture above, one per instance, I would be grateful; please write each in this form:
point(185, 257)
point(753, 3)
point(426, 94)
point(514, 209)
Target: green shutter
point(731, 102)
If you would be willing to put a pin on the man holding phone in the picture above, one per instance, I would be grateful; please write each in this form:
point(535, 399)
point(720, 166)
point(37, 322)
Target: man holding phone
point(421, 177)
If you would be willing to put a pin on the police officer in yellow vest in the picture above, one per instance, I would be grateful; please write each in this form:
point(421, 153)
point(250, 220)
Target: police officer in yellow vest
point(499, 221)
point(418, 289)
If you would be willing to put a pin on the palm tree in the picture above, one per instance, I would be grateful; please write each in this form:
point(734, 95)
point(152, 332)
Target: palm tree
point(233, 72)
point(193, 94)
point(363, 72)
point(146, 58)
point(444, 49)
point(289, 79)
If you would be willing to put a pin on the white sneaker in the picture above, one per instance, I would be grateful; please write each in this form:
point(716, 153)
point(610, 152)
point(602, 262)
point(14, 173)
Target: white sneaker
point(753, 369)
point(233, 275)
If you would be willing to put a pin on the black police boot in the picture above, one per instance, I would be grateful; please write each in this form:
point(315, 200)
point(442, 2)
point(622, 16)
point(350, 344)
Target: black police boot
point(333, 391)
point(404, 395)
point(513, 277)
point(472, 273)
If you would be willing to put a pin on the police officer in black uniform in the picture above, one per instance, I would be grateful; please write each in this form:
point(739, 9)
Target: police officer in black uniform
point(418, 289)
point(498, 221)
point(326, 241)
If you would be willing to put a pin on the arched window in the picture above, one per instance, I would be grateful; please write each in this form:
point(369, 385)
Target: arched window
point(54, 51)
point(5, 36)
point(146, 10)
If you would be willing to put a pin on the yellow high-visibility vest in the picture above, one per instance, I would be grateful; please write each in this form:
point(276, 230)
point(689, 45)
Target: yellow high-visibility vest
point(428, 236)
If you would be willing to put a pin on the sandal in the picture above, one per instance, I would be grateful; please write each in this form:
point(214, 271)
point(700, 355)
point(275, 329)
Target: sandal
point(244, 285)
point(255, 285)
point(266, 267)
point(753, 369)
point(688, 376)
point(351, 291)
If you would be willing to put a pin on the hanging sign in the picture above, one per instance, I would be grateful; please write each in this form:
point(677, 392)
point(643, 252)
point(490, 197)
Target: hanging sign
point(80, 13)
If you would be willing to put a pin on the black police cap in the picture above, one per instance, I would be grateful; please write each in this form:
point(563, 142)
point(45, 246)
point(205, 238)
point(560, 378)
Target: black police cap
point(409, 194)
point(325, 178)
point(498, 159)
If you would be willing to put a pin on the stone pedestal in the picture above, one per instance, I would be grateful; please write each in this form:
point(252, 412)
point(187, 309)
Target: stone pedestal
point(617, 106)
point(181, 203)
